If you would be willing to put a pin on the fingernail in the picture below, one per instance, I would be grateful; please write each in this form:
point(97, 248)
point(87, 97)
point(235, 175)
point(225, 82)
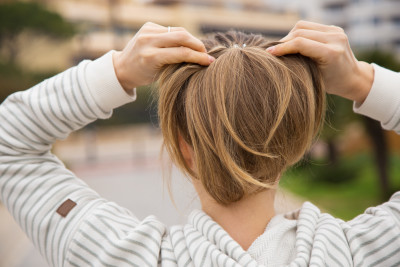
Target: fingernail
point(271, 49)
point(211, 59)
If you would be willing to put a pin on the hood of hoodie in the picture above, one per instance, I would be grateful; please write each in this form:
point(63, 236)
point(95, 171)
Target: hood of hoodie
point(202, 242)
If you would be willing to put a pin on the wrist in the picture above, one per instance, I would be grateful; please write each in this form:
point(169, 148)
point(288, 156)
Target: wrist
point(120, 73)
point(103, 84)
point(363, 80)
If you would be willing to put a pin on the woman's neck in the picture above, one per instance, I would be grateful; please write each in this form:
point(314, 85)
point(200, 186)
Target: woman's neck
point(244, 220)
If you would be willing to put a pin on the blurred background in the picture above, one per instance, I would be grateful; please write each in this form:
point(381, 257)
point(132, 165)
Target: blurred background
point(353, 165)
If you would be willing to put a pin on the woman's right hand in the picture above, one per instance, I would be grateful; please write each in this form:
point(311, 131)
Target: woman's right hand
point(152, 47)
point(343, 74)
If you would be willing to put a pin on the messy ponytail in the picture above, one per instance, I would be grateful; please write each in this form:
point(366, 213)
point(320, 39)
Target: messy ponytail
point(248, 116)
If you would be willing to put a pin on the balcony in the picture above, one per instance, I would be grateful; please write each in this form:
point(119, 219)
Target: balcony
point(381, 35)
point(334, 17)
point(382, 9)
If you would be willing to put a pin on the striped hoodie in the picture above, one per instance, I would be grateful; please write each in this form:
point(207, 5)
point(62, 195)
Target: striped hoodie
point(71, 225)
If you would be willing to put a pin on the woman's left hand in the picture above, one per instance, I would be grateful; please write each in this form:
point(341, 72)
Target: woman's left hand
point(328, 45)
point(152, 47)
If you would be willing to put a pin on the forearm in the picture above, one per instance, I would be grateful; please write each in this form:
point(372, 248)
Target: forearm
point(383, 100)
point(363, 79)
point(33, 182)
point(32, 120)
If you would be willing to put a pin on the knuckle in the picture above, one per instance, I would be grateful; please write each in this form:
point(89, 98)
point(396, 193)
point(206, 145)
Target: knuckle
point(143, 39)
point(180, 28)
point(297, 33)
point(343, 38)
point(298, 40)
point(340, 51)
point(183, 35)
point(185, 52)
point(148, 24)
point(147, 55)
point(300, 24)
point(337, 28)
point(336, 51)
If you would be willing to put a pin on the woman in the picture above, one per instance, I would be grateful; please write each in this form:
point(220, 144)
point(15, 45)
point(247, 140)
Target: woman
point(72, 226)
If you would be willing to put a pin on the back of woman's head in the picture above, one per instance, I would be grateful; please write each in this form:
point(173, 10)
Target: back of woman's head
point(248, 116)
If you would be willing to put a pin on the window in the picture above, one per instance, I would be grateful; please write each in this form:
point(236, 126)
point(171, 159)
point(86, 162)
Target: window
point(396, 20)
point(335, 6)
point(376, 20)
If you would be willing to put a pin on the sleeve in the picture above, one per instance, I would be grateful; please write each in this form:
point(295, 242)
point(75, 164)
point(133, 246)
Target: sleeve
point(374, 237)
point(69, 223)
point(383, 101)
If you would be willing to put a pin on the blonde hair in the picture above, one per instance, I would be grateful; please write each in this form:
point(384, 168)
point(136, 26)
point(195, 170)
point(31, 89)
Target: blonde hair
point(248, 116)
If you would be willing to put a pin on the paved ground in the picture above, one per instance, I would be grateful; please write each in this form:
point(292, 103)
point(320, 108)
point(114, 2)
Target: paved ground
point(116, 163)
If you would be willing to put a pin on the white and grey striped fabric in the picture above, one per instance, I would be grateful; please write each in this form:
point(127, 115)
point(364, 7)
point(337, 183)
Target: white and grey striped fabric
point(96, 232)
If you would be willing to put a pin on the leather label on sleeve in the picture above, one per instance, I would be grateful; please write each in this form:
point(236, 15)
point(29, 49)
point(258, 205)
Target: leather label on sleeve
point(66, 207)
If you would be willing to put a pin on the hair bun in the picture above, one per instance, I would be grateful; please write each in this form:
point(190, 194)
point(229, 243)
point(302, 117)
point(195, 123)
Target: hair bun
point(247, 116)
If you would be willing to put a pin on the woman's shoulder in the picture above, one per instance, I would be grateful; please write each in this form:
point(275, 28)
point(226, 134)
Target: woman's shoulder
point(371, 238)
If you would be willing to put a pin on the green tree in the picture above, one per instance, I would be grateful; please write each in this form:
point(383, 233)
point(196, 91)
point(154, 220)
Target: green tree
point(18, 17)
point(333, 169)
point(339, 114)
point(374, 129)
point(15, 19)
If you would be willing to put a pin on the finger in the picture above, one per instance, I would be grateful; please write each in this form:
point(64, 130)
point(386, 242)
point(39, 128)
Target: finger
point(175, 29)
point(150, 27)
point(322, 37)
point(303, 24)
point(171, 39)
point(163, 29)
point(308, 25)
point(174, 55)
point(177, 36)
point(186, 39)
point(309, 48)
point(177, 39)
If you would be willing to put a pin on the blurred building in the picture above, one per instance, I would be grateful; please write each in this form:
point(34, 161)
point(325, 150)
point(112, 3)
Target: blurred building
point(368, 23)
point(109, 24)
